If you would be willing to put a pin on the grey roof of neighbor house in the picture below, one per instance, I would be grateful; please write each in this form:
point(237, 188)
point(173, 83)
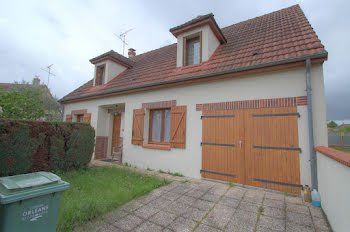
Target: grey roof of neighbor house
point(280, 37)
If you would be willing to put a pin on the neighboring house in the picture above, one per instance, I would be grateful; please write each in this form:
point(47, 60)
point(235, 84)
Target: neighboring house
point(50, 104)
point(342, 126)
point(221, 103)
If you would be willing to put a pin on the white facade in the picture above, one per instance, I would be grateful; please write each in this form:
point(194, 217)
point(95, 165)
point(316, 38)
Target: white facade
point(333, 179)
point(278, 84)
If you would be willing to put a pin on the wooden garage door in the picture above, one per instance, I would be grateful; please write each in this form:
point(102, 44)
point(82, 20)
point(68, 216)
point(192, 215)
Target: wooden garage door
point(221, 150)
point(268, 155)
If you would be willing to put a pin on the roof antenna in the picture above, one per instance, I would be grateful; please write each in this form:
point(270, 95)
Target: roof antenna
point(49, 73)
point(122, 38)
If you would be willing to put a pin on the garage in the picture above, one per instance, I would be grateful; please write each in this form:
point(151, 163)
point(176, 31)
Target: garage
point(257, 147)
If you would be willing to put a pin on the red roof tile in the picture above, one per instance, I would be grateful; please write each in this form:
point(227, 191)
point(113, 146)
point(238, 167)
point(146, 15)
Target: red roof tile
point(276, 37)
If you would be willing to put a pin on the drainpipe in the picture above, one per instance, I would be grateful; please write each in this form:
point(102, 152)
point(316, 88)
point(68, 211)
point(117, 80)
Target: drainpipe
point(310, 122)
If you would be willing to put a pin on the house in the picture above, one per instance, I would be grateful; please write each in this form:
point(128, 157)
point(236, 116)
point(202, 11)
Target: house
point(230, 104)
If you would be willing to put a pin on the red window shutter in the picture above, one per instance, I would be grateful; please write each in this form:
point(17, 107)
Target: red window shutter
point(137, 127)
point(68, 118)
point(178, 127)
point(87, 117)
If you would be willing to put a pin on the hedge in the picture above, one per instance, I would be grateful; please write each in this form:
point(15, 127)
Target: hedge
point(31, 146)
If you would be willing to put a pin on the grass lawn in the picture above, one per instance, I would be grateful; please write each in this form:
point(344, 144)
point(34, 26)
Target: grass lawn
point(97, 190)
point(342, 149)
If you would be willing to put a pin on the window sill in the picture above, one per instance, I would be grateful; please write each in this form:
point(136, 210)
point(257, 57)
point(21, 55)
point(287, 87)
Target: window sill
point(157, 146)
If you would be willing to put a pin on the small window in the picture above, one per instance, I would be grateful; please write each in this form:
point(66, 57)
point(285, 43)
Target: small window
point(80, 118)
point(159, 126)
point(100, 75)
point(193, 50)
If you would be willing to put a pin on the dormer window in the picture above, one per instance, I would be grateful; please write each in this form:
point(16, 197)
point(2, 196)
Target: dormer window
point(197, 40)
point(100, 75)
point(193, 50)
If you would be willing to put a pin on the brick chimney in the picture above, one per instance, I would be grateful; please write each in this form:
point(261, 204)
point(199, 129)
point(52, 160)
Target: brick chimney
point(36, 81)
point(132, 52)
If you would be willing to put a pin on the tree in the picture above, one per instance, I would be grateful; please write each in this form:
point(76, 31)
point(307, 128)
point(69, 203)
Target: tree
point(50, 104)
point(25, 105)
point(332, 124)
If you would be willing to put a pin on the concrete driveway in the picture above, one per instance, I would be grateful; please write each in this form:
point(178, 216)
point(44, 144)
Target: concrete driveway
point(208, 206)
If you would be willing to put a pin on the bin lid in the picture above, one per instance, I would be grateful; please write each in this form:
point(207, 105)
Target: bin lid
point(20, 182)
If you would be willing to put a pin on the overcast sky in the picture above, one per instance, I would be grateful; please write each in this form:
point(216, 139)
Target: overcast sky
point(34, 34)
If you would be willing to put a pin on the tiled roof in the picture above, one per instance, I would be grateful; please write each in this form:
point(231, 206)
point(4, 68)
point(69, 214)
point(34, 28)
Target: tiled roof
point(114, 55)
point(197, 19)
point(278, 37)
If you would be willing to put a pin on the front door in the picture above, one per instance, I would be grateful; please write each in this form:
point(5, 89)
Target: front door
point(116, 133)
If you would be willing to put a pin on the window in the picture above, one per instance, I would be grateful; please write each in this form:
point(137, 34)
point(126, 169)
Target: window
point(159, 126)
point(193, 50)
point(80, 118)
point(100, 75)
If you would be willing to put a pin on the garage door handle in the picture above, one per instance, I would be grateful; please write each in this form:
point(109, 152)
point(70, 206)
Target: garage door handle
point(240, 144)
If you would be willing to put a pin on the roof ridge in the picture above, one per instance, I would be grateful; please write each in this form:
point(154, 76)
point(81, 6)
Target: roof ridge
point(273, 12)
point(296, 5)
point(153, 50)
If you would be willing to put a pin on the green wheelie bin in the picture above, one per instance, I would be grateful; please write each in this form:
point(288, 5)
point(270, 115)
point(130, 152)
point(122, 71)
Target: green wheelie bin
point(30, 202)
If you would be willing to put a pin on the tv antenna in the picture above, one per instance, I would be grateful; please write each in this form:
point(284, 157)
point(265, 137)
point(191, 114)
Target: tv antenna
point(49, 73)
point(122, 38)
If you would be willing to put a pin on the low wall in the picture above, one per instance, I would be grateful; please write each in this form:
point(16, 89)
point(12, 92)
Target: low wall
point(333, 172)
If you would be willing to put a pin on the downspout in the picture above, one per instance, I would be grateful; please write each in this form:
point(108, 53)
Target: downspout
point(310, 122)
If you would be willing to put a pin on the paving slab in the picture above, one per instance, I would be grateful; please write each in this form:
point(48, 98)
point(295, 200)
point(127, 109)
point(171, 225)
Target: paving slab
point(171, 196)
point(148, 227)
point(298, 209)
point(294, 200)
point(205, 228)
point(208, 206)
point(163, 218)
point(257, 199)
point(274, 203)
point(270, 223)
point(320, 224)
point(146, 211)
point(242, 221)
point(219, 216)
point(202, 204)
point(316, 212)
point(228, 201)
point(160, 203)
point(248, 206)
point(186, 200)
point(274, 212)
point(211, 197)
point(177, 208)
point(274, 196)
point(236, 192)
point(114, 215)
point(292, 227)
point(182, 224)
point(196, 192)
point(128, 223)
point(194, 213)
point(302, 219)
point(132, 205)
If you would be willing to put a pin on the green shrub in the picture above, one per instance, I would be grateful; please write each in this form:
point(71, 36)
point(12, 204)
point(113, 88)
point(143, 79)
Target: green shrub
point(30, 146)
